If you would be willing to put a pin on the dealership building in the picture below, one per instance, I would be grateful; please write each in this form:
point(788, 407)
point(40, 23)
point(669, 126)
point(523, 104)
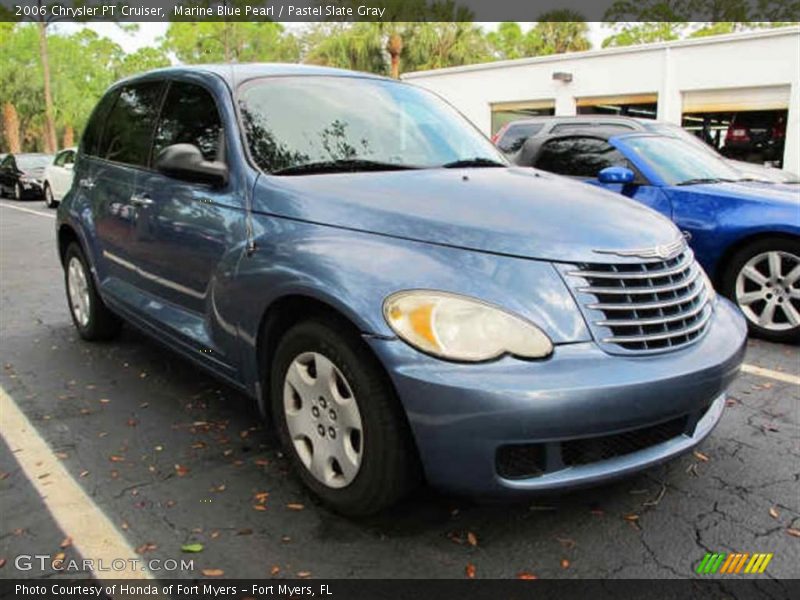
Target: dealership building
point(702, 84)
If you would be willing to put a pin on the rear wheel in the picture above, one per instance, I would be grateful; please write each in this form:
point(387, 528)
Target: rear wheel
point(49, 199)
point(764, 280)
point(339, 420)
point(92, 318)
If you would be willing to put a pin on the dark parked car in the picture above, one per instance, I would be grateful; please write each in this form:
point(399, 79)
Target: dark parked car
point(745, 234)
point(511, 138)
point(354, 255)
point(22, 175)
point(758, 134)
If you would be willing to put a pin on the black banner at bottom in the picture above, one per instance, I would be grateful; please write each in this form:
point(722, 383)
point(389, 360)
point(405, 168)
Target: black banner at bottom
point(397, 589)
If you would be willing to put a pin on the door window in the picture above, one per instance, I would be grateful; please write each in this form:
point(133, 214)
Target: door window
point(578, 156)
point(129, 128)
point(189, 116)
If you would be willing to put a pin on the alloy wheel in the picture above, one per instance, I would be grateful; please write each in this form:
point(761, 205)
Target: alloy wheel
point(78, 287)
point(323, 419)
point(768, 290)
point(17, 191)
point(49, 201)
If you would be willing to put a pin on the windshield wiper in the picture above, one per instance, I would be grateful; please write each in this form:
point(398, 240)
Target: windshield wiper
point(344, 165)
point(700, 180)
point(473, 162)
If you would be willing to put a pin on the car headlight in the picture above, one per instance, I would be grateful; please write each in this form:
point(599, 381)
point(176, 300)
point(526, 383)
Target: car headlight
point(461, 328)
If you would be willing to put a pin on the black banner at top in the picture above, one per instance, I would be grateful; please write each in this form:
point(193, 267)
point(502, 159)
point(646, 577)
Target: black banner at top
point(765, 11)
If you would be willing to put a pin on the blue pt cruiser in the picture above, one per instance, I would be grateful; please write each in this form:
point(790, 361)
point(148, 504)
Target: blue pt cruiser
point(401, 303)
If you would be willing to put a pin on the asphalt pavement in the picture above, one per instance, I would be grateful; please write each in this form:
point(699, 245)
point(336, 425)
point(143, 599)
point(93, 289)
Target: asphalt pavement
point(127, 436)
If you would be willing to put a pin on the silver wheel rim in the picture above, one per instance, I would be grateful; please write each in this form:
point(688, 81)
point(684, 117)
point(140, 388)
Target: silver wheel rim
point(17, 192)
point(78, 289)
point(323, 419)
point(48, 197)
point(768, 290)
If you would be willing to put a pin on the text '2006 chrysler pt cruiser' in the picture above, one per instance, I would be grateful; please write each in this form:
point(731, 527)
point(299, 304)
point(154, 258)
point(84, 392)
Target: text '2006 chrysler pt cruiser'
point(401, 303)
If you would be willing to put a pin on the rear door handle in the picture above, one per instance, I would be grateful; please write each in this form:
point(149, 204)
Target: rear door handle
point(86, 183)
point(141, 200)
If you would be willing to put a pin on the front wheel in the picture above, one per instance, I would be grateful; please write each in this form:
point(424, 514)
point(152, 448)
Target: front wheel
point(764, 280)
point(92, 318)
point(49, 199)
point(339, 420)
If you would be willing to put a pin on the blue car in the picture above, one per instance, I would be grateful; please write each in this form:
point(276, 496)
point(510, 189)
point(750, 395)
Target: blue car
point(399, 301)
point(745, 233)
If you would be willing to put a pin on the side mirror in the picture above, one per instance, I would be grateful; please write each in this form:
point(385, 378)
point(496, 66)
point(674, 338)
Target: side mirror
point(615, 175)
point(185, 161)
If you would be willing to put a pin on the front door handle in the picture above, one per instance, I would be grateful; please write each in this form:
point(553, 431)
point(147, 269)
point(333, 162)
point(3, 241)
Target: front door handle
point(141, 200)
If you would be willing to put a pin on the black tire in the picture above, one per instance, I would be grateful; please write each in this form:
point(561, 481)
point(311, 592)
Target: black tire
point(781, 331)
point(49, 200)
point(389, 466)
point(102, 324)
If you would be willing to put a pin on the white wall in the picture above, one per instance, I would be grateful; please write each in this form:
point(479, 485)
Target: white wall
point(765, 58)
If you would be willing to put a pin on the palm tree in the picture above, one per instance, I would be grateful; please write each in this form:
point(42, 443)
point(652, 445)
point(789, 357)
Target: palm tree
point(559, 31)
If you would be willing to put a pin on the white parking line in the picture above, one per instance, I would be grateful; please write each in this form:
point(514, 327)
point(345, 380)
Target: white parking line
point(93, 534)
point(28, 210)
point(776, 375)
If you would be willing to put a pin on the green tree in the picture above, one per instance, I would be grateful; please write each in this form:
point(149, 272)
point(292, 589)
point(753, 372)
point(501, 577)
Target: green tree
point(356, 46)
point(560, 31)
point(437, 45)
point(224, 41)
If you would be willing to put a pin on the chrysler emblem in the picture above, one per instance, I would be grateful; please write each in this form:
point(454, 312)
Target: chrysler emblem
point(663, 251)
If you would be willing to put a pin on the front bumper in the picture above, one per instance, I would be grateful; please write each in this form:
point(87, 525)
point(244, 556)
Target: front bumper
point(563, 409)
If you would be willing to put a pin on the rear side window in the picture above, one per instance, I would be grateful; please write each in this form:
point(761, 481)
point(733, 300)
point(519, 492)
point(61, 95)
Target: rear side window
point(516, 135)
point(93, 131)
point(579, 157)
point(129, 128)
point(189, 116)
point(65, 158)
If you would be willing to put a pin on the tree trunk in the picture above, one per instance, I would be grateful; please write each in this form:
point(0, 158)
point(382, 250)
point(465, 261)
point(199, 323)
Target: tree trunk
point(49, 121)
point(394, 47)
point(11, 128)
point(69, 136)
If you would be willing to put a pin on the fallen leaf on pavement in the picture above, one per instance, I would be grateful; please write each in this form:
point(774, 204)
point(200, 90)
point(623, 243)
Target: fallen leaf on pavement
point(262, 462)
point(526, 575)
point(773, 512)
point(274, 570)
point(192, 548)
point(180, 470)
point(567, 542)
point(215, 534)
point(469, 571)
point(104, 400)
point(146, 547)
point(132, 422)
point(259, 507)
point(295, 506)
point(115, 458)
point(564, 563)
point(793, 532)
point(245, 531)
point(631, 517)
point(472, 539)
point(62, 455)
point(83, 474)
point(304, 574)
point(66, 543)
point(2, 562)
point(213, 572)
point(700, 456)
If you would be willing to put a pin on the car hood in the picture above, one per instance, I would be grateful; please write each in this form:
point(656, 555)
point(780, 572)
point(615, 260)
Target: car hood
point(35, 172)
point(764, 173)
point(754, 191)
point(511, 211)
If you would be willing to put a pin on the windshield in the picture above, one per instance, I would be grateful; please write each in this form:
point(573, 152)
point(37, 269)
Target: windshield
point(678, 162)
point(33, 162)
point(353, 122)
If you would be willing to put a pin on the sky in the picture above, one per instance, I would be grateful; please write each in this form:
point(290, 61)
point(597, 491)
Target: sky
point(149, 32)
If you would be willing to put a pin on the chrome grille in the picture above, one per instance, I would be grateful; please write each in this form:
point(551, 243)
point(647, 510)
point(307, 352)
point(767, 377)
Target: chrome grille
point(644, 306)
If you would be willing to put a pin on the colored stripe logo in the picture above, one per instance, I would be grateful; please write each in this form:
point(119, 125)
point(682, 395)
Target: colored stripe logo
point(734, 563)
